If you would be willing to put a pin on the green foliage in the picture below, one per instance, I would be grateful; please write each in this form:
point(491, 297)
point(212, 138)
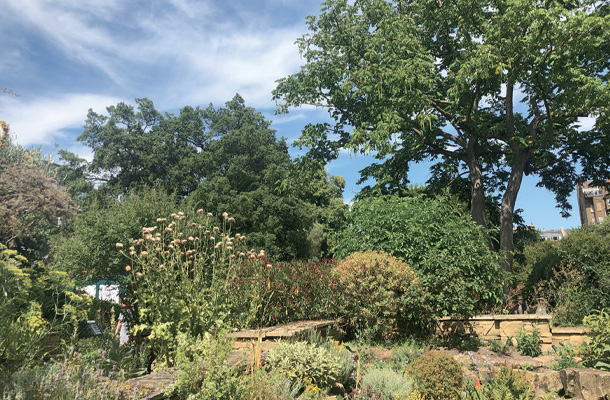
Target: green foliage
point(267, 293)
point(87, 251)
point(33, 303)
point(67, 379)
point(437, 375)
point(202, 369)
point(249, 173)
point(445, 88)
point(31, 202)
point(498, 347)
point(571, 275)
point(106, 354)
point(564, 355)
point(221, 159)
point(596, 352)
point(405, 354)
point(386, 384)
point(505, 384)
point(528, 344)
point(303, 362)
point(178, 278)
point(438, 239)
point(380, 296)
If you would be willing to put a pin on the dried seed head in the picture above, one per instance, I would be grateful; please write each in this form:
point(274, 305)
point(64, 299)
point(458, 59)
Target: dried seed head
point(209, 214)
point(128, 268)
point(180, 213)
point(144, 254)
point(216, 229)
point(161, 219)
point(119, 245)
point(200, 211)
point(225, 215)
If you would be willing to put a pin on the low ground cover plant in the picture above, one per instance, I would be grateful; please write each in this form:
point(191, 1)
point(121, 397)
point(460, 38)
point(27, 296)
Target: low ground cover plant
point(380, 297)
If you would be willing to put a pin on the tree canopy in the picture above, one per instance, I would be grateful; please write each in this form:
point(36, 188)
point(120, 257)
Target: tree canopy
point(493, 88)
point(32, 204)
point(221, 159)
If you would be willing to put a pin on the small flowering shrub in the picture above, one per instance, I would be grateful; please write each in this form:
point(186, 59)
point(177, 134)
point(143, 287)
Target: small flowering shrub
point(437, 375)
point(310, 364)
point(34, 302)
point(380, 296)
point(178, 277)
point(272, 293)
point(386, 384)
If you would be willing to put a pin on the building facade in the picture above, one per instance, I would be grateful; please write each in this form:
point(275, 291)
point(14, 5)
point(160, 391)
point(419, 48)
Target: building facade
point(593, 203)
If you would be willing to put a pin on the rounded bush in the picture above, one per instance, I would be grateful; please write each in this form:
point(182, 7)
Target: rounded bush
point(386, 384)
point(307, 363)
point(437, 375)
point(380, 296)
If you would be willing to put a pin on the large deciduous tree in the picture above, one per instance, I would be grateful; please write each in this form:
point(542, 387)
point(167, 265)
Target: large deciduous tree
point(32, 205)
point(249, 173)
point(494, 88)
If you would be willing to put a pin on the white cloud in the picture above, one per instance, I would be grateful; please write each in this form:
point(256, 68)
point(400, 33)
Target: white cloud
point(45, 120)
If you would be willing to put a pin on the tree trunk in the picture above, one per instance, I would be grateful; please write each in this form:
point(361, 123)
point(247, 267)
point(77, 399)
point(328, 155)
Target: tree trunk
point(508, 206)
point(477, 190)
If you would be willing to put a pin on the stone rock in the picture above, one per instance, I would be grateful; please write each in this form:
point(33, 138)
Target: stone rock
point(544, 381)
point(588, 384)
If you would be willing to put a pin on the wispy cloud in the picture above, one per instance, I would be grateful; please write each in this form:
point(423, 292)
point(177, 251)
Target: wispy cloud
point(45, 121)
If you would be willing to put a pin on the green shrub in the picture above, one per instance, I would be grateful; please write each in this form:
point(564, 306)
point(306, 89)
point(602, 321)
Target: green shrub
point(202, 369)
point(386, 384)
point(438, 239)
point(529, 344)
point(505, 384)
point(405, 354)
point(380, 296)
point(564, 355)
point(268, 293)
point(33, 303)
point(498, 347)
point(596, 352)
point(307, 363)
point(437, 375)
point(572, 275)
point(72, 378)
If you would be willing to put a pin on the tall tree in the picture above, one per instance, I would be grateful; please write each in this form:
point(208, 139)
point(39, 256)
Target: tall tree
point(493, 87)
point(32, 204)
point(139, 148)
point(247, 172)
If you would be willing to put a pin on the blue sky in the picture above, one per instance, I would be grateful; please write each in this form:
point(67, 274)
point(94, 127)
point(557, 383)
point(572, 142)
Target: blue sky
point(65, 56)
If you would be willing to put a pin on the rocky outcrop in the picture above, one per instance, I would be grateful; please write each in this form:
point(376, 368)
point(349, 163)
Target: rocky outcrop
point(586, 383)
point(544, 381)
